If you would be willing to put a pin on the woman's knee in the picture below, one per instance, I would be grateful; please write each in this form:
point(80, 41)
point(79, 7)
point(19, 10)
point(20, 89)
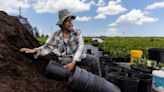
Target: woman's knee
point(93, 60)
point(92, 57)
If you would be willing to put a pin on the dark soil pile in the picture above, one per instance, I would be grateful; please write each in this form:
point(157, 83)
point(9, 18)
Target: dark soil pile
point(20, 72)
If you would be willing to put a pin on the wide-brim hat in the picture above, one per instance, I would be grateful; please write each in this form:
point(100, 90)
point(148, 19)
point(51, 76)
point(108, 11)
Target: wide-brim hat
point(63, 14)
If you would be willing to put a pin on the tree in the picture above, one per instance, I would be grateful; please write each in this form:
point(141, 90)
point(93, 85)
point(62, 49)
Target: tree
point(42, 35)
point(36, 32)
point(47, 36)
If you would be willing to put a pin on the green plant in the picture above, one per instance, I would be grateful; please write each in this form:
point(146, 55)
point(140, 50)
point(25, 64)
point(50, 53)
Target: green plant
point(160, 65)
point(150, 63)
point(136, 61)
point(42, 40)
point(119, 47)
point(145, 62)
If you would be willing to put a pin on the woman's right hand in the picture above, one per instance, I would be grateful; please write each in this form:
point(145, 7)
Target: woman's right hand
point(27, 50)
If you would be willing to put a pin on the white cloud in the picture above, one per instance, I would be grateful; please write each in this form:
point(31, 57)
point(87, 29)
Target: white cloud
point(100, 16)
point(83, 0)
point(11, 6)
point(113, 8)
point(23, 4)
point(100, 3)
point(111, 32)
point(155, 5)
point(136, 17)
point(84, 18)
point(112, 24)
point(53, 6)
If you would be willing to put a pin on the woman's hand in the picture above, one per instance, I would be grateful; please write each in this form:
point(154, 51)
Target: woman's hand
point(27, 50)
point(70, 66)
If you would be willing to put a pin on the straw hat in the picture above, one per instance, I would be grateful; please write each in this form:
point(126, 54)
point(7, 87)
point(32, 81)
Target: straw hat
point(63, 14)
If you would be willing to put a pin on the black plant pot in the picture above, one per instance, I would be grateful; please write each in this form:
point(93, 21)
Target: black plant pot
point(141, 68)
point(105, 60)
point(121, 59)
point(132, 71)
point(145, 82)
point(89, 51)
point(103, 70)
point(112, 64)
point(136, 67)
point(113, 69)
point(146, 70)
point(56, 70)
point(114, 76)
point(156, 54)
point(128, 84)
point(110, 70)
point(83, 81)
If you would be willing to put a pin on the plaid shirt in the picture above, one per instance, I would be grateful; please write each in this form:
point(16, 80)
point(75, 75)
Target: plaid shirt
point(56, 44)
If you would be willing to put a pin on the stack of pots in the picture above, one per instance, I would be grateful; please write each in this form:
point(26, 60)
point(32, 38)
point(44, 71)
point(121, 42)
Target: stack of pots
point(120, 78)
point(103, 70)
point(83, 81)
point(141, 68)
point(112, 73)
point(145, 82)
point(128, 84)
point(129, 80)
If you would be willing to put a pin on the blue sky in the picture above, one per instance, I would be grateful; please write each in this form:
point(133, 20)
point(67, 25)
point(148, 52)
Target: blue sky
point(94, 17)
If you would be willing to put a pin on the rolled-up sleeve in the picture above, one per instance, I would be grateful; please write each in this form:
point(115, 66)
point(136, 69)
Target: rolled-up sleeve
point(79, 51)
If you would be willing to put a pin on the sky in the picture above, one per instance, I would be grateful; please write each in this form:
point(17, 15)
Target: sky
point(94, 17)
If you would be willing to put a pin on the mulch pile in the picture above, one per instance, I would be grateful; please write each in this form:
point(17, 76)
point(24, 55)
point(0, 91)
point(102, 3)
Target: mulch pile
point(20, 72)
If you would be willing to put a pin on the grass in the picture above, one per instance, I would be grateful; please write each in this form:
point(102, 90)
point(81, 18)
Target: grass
point(42, 40)
point(119, 45)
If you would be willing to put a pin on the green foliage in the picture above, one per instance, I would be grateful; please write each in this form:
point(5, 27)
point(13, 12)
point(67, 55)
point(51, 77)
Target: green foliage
point(160, 65)
point(36, 32)
point(145, 62)
point(87, 40)
point(121, 46)
point(42, 40)
point(137, 61)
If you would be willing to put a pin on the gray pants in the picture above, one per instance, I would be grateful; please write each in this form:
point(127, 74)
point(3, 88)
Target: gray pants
point(92, 62)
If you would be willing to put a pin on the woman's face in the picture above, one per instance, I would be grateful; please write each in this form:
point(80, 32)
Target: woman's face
point(67, 24)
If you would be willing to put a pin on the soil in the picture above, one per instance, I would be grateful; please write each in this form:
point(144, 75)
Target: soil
point(20, 72)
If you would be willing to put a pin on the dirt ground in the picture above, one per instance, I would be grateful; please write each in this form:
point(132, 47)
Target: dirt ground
point(20, 72)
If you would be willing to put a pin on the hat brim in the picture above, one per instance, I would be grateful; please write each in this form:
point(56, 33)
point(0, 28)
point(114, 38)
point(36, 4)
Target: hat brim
point(60, 22)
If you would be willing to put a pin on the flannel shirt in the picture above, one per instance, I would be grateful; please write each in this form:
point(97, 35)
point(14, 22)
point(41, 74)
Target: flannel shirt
point(56, 44)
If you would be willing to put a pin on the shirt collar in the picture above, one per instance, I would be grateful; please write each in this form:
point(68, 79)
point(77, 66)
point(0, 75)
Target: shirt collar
point(61, 33)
